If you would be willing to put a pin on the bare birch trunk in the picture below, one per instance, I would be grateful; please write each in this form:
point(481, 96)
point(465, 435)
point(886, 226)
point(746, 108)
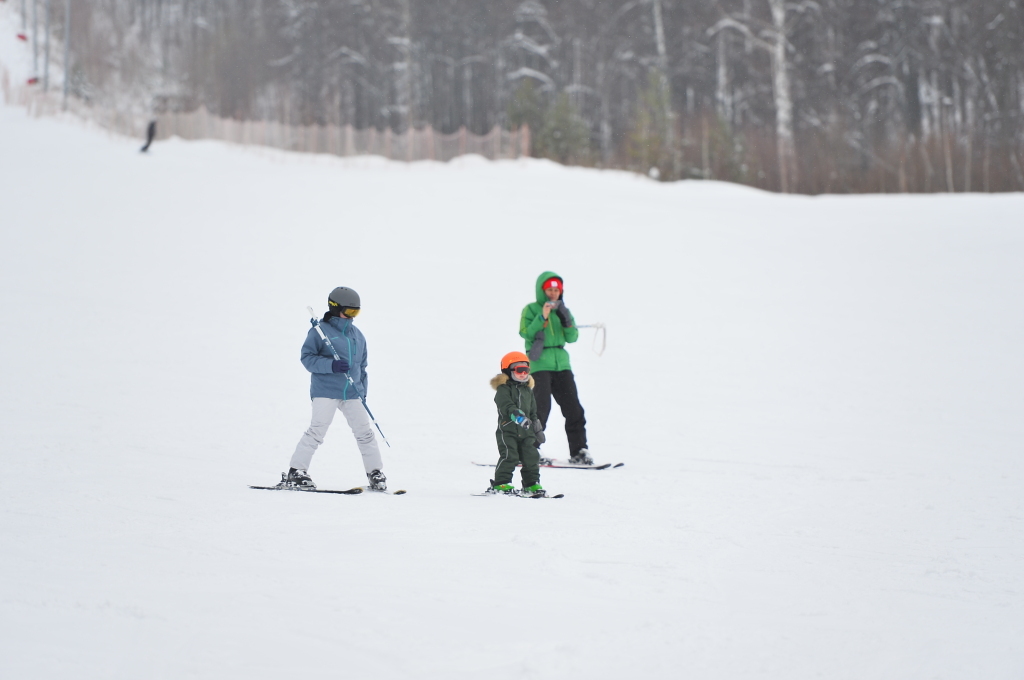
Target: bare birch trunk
point(467, 94)
point(929, 171)
point(67, 42)
point(968, 163)
point(666, 88)
point(1016, 167)
point(46, 54)
point(985, 164)
point(783, 100)
point(606, 126)
point(403, 90)
point(947, 152)
point(903, 168)
point(35, 38)
point(722, 94)
point(576, 69)
point(705, 149)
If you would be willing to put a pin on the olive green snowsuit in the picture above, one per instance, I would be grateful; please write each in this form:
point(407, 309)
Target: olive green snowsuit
point(516, 444)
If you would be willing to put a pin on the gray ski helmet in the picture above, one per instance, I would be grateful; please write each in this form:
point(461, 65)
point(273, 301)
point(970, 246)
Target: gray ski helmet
point(343, 297)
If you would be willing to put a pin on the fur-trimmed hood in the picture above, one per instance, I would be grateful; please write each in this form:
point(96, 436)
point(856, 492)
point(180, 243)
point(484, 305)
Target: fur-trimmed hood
point(501, 379)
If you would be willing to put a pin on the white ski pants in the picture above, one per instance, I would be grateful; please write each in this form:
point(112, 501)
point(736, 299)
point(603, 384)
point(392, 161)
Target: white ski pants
point(323, 414)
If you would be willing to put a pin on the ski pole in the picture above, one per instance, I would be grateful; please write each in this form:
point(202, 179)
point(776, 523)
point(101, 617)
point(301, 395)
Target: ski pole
point(601, 331)
point(316, 324)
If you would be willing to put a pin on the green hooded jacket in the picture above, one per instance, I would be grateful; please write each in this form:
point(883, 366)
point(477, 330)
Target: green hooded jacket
point(556, 335)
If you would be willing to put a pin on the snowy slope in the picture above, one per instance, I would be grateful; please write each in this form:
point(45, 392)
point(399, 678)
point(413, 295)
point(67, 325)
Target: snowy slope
point(818, 402)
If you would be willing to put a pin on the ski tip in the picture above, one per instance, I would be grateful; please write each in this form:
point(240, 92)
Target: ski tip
point(618, 465)
point(398, 492)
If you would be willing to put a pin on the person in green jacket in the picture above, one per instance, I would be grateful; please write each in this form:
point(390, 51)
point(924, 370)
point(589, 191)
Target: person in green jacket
point(517, 438)
point(547, 326)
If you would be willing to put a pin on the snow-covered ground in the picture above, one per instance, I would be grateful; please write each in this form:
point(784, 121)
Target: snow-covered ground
point(818, 400)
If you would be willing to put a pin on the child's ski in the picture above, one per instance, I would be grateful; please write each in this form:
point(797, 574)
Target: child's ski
point(347, 492)
point(399, 492)
point(519, 495)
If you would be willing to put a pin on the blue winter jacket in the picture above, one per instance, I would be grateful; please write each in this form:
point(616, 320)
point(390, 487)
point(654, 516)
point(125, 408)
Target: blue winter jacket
point(317, 357)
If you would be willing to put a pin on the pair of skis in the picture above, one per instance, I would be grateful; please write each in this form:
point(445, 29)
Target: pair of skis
point(564, 465)
point(549, 463)
point(516, 494)
point(347, 492)
point(360, 489)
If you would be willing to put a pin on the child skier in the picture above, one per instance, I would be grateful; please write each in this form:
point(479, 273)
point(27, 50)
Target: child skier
point(518, 428)
point(336, 385)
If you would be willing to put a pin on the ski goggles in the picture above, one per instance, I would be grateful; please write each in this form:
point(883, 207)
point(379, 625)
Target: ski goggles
point(350, 312)
point(520, 370)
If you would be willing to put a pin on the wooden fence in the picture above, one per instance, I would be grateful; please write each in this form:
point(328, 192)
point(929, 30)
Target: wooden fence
point(339, 140)
point(345, 140)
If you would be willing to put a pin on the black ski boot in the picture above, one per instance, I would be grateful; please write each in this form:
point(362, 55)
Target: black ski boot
point(297, 479)
point(582, 457)
point(378, 482)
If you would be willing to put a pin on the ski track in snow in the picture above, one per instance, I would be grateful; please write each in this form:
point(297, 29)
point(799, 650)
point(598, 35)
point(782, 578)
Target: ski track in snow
point(817, 399)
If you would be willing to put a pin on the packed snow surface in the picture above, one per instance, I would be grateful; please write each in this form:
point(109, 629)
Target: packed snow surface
point(818, 402)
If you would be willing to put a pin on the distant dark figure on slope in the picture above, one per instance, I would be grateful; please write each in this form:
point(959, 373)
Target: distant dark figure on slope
point(337, 385)
point(150, 136)
point(547, 326)
point(516, 434)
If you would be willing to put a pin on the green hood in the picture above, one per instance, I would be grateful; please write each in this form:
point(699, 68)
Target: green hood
point(541, 297)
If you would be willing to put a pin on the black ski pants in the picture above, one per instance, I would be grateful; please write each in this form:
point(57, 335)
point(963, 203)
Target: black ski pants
point(562, 386)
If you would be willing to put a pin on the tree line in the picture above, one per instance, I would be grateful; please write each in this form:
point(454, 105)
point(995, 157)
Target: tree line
point(800, 96)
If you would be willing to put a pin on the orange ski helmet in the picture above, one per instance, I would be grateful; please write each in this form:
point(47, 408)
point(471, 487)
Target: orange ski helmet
point(513, 358)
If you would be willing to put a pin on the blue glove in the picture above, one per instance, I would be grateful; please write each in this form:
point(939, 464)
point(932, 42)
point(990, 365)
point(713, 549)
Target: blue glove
point(520, 419)
point(339, 366)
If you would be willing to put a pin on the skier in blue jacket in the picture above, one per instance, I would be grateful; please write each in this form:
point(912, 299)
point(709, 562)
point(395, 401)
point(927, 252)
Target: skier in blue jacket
point(332, 390)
